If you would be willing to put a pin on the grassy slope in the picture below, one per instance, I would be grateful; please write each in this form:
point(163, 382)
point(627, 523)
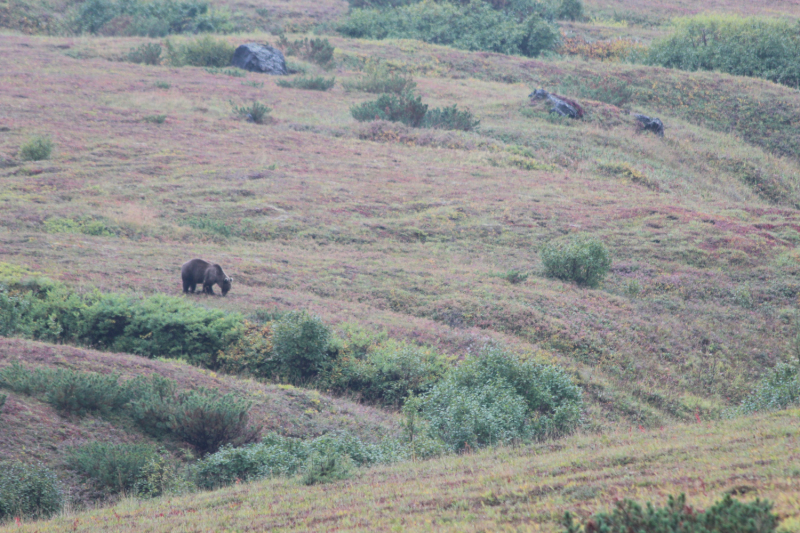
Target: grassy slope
point(34, 431)
point(409, 233)
point(525, 489)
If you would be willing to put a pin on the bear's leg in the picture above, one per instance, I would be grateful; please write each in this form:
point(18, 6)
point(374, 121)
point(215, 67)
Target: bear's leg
point(208, 288)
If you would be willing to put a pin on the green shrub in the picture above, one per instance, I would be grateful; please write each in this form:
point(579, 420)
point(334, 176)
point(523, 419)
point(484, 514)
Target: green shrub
point(379, 80)
point(203, 51)
point(326, 468)
point(312, 84)
point(450, 118)
point(570, 10)
point(386, 373)
point(726, 516)
point(148, 53)
point(87, 225)
point(213, 225)
point(252, 354)
point(778, 389)
point(153, 18)
point(162, 84)
point(160, 476)
point(582, 259)
point(36, 149)
point(299, 342)
point(743, 46)
point(473, 26)
point(234, 72)
point(83, 392)
point(3, 398)
point(114, 468)
point(207, 420)
point(277, 455)
point(155, 119)
point(406, 108)
point(255, 112)
point(28, 491)
point(493, 397)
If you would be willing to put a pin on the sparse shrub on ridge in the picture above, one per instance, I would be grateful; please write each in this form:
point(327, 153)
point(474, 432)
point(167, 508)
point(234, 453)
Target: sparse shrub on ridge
point(406, 108)
point(309, 83)
point(319, 51)
point(725, 516)
point(37, 148)
point(450, 118)
point(28, 491)
point(377, 79)
point(148, 54)
point(582, 259)
point(256, 112)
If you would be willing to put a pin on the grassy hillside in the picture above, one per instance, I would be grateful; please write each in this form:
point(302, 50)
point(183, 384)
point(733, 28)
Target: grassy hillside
point(412, 231)
point(522, 489)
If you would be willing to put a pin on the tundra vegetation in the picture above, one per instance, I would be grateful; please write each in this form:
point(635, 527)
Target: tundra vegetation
point(465, 311)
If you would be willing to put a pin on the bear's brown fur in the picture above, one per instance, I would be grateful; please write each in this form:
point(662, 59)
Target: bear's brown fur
point(200, 271)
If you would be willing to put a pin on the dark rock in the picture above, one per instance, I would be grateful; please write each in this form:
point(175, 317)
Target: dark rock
point(260, 58)
point(561, 105)
point(650, 124)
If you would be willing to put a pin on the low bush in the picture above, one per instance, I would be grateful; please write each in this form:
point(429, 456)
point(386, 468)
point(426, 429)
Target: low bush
point(86, 225)
point(277, 455)
point(148, 54)
point(378, 79)
point(725, 516)
point(778, 389)
point(311, 83)
point(299, 343)
point(153, 18)
point(252, 354)
point(761, 47)
point(473, 26)
point(211, 225)
point(493, 397)
point(255, 112)
point(160, 476)
point(327, 468)
point(114, 468)
point(37, 148)
point(155, 119)
point(3, 398)
point(28, 491)
point(384, 373)
point(406, 108)
point(582, 259)
point(204, 51)
point(450, 118)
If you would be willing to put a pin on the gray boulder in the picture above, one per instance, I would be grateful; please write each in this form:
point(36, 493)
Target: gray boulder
point(650, 124)
point(260, 58)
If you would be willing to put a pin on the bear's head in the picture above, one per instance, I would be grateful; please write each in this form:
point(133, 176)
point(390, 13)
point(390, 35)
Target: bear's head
point(226, 285)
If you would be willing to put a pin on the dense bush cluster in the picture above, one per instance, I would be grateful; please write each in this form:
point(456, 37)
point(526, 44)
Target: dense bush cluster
point(156, 326)
point(30, 491)
point(201, 418)
point(114, 467)
point(408, 108)
point(148, 54)
point(156, 18)
point(493, 398)
point(761, 47)
point(36, 148)
point(473, 26)
point(582, 259)
point(725, 516)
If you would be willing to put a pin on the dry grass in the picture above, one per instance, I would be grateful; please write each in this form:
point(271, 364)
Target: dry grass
point(523, 489)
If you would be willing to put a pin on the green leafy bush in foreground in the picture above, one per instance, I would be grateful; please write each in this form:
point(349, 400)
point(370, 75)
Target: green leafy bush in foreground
point(582, 259)
point(36, 149)
point(495, 398)
point(300, 341)
point(28, 491)
point(726, 516)
point(761, 47)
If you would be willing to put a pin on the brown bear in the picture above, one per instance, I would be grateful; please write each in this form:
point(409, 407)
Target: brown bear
point(199, 271)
